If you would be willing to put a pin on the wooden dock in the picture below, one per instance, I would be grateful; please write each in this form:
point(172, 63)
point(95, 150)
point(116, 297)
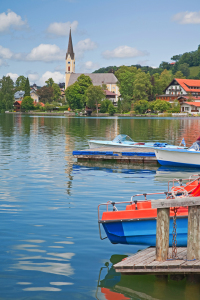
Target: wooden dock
point(144, 262)
point(117, 154)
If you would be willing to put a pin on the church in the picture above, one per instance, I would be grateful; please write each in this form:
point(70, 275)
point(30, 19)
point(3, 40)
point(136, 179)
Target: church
point(109, 79)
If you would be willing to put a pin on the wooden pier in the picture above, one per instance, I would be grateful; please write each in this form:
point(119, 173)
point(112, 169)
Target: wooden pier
point(117, 154)
point(163, 260)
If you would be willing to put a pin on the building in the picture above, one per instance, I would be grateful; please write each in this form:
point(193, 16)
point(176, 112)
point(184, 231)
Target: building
point(191, 107)
point(19, 95)
point(97, 78)
point(34, 95)
point(181, 88)
point(17, 105)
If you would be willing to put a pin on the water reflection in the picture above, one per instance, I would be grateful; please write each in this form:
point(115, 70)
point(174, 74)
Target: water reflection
point(115, 286)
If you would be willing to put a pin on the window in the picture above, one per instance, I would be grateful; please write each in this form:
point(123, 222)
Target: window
point(68, 69)
point(186, 108)
point(68, 62)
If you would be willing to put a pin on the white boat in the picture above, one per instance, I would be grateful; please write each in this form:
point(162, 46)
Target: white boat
point(123, 140)
point(180, 157)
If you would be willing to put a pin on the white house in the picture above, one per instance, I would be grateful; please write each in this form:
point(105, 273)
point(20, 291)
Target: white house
point(190, 107)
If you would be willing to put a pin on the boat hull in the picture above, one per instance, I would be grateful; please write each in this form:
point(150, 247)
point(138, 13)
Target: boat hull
point(143, 232)
point(179, 158)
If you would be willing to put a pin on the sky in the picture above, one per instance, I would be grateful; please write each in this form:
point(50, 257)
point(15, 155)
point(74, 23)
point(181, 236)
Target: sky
point(34, 34)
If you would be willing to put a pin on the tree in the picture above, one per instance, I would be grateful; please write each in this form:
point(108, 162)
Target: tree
point(27, 88)
point(165, 79)
point(111, 109)
point(176, 57)
point(104, 105)
point(126, 77)
point(6, 93)
point(142, 86)
point(141, 106)
point(46, 94)
point(56, 91)
point(165, 65)
point(49, 82)
point(76, 93)
point(95, 95)
point(27, 103)
point(179, 74)
point(20, 83)
point(159, 105)
point(184, 68)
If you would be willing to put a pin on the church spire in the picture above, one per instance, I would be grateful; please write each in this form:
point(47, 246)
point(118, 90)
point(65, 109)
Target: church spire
point(70, 50)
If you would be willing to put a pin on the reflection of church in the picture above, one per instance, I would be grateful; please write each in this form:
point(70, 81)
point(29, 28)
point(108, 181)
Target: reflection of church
point(97, 78)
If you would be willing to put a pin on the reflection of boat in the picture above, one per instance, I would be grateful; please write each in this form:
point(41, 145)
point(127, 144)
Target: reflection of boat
point(180, 157)
point(136, 224)
point(123, 140)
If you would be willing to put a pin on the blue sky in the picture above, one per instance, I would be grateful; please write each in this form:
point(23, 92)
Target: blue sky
point(34, 34)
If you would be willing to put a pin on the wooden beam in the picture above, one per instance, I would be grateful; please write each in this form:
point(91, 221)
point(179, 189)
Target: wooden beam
point(166, 203)
point(193, 241)
point(162, 234)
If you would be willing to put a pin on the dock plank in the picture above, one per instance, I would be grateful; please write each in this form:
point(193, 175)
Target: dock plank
point(145, 262)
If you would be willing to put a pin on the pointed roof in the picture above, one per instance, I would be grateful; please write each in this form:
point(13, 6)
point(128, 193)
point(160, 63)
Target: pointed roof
point(70, 50)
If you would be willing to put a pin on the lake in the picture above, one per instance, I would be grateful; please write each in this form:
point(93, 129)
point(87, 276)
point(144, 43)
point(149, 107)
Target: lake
point(50, 246)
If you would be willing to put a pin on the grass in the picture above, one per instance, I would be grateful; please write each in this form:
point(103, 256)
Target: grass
point(194, 70)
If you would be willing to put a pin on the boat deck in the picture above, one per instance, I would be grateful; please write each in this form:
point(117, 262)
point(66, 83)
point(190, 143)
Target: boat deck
point(117, 154)
point(144, 262)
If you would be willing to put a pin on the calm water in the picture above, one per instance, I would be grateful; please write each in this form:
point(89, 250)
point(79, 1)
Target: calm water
point(50, 246)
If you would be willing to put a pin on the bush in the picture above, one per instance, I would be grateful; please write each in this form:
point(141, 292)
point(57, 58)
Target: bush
point(27, 103)
point(159, 105)
point(104, 106)
point(141, 106)
point(63, 108)
point(111, 109)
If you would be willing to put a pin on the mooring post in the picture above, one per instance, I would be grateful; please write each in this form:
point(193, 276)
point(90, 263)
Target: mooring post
point(193, 239)
point(162, 234)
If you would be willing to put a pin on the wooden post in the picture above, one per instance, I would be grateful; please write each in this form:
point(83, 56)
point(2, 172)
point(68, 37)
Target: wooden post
point(193, 239)
point(162, 234)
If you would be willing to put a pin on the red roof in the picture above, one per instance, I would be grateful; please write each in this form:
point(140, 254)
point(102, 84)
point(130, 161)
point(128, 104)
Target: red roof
point(41, 104)
point(193, 103)
point(172, 63)
point(18, 101)
point(188, 97)
point(186, 83)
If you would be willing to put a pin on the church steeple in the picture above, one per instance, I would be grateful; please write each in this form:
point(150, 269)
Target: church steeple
point(70, 50)
point(70, 60)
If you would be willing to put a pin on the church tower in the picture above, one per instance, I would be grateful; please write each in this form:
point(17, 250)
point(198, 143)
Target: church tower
point(70, 60)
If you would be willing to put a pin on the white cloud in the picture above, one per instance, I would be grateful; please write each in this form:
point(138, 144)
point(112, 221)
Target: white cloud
point(88, 66)
point(5, 53)
point(46, 52)
point(62, 29)
point(123, 52)
point(187, 17)
point(57, 77)
point(33, 77)
point(82, 46)
point(13, 76)
point(10, 20)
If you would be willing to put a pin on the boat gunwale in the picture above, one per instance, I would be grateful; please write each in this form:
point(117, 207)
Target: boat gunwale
point(138, 219)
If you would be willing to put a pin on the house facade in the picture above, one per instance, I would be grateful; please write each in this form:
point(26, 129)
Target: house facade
point(181, 87)
point(97, 78)
point(191, 107)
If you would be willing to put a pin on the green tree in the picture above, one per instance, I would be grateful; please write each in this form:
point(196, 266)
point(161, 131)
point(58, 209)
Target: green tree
point(56, 92)
point(175, 107)
point(179, 75)
point(176, 57)
point(126, 77)
point(119, 106)
point(49, 82)
point(20, 83)
point(165, 65)
point(6, 93)
point(111, 109)
point(184, 68)
point(104, 105)
point(76, 93)
point(142, 86)
point(27, 103)
point(165, 79)
point(46, 94)
point(159, 105)
point(27, 88)
point(141, 106)
point(95, 95)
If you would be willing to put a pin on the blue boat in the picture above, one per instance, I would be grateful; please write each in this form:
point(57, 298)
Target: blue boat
point(136, 224)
